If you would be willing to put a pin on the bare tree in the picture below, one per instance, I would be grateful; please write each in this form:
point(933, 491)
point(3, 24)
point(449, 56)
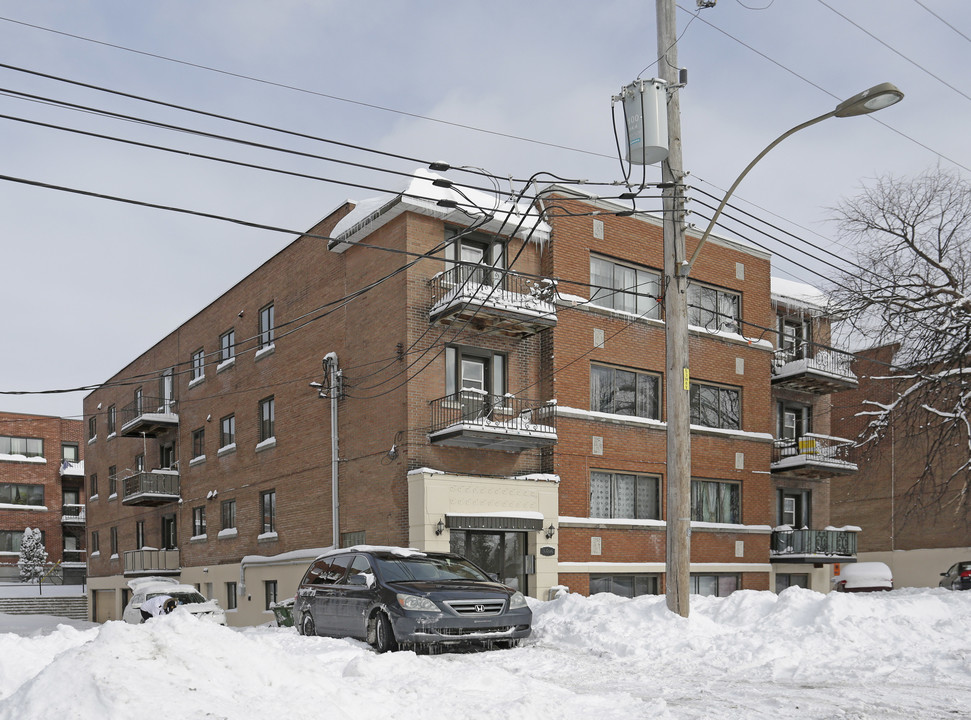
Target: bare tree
point(909, 291)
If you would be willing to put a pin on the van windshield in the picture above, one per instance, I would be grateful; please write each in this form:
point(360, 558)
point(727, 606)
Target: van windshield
point(428, 569)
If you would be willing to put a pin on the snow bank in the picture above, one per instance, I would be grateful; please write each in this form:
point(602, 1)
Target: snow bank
point(900, 654)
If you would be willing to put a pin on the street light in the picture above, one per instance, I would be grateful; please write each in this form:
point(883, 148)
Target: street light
point(876, 98)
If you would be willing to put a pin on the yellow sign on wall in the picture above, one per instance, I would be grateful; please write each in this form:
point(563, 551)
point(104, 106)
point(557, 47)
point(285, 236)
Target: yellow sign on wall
point(687, 379)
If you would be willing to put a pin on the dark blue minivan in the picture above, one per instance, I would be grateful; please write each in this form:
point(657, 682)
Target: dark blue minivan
point(403, 598)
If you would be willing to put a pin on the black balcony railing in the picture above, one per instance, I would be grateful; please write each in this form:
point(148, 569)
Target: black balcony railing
point(491, 292)
point(814, 545)
point(478, 419)
point(813, 448)
point(72, 513)
point(807, 366)
point(149, 416)
point(154, 487)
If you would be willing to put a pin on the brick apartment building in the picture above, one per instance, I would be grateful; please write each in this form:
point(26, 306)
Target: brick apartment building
point(917, 529)
point(474, 405)
point(42, 486)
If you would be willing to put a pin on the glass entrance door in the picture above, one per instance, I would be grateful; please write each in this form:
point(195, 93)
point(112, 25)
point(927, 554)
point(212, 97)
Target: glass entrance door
point(500, 553)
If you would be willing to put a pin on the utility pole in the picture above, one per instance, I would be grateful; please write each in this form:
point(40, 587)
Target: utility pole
point(676, 377)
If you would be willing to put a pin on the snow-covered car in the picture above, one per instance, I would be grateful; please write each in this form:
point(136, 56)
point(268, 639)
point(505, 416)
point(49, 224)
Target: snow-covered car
point(401, 597)
point(957, 577)
point(185, 596)
point(863, 577)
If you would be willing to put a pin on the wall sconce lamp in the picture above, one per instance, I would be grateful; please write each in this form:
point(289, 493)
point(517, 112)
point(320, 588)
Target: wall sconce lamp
point(550, 531)
point(440, 528)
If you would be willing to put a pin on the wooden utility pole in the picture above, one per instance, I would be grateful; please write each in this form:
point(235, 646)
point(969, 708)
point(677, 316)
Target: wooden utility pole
point(676, 379)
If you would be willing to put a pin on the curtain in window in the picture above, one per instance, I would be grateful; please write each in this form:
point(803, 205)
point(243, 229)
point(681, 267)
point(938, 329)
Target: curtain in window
point(647, 400)
point(600, 495)
point(647, 499)
point(624, 495)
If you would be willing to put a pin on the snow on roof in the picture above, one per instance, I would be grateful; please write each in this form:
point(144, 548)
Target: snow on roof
point(420, 195)
point(797, 294)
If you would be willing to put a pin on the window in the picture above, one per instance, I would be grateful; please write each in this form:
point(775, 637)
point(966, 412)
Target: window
point(267, 419)
point(10, 540)
point(114, 540)
point(138, 401)
point(715, 501)
point(166, 391)
point(624, 392)
point(166, 456)
point(199, 520)
point(227, 431)
point(474, 249)
point(112, 419)
point(228, 514)
point(794, 421)
point(627, 288)
point(231, 601)
point(112, 480)
point(788, 580)
point(24, 446)
point(266, 326)
point(227, 345)
point(198, 365)
point(169, 534)
point(350, 539)
point(715, 406)
point(139, 534)
point(713, 309)
point(474, 369)
point(92, 428)
point(199, 442)
point(624, 495)
point(21, 494)
point(793, 507)
point(793, 339)
point(624, 585)
point(714, 585)
point(269, 593)
point(268, 511)
point(139, 462)
point(94, 485)
point(70, 452)
point(95, 542)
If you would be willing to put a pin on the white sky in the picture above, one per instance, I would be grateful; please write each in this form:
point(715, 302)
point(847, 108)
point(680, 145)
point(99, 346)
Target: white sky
point(73, 267)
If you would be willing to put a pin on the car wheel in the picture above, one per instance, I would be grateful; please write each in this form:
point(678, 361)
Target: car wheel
point(307, 626)
point(381, 634)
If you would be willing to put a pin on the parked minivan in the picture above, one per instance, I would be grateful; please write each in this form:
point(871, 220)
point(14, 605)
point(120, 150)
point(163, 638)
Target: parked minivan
point(403, 598)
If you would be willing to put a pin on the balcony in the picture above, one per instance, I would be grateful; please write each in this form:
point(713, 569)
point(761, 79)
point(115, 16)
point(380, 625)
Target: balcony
point(474, 419)
point(149, 561)
point(72, 469)
point(72, 514)
point(73, 555)
point(812, 546)
point(812, 456)
point(156, 487)
point(149, 417)
point(490, 298)
point(811, 368)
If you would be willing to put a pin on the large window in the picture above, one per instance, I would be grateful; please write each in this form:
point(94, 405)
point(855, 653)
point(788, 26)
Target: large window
point(717, 585)
point(716, 406)
point(198, 364)
point(227, 345)
point(267, 418)
point(228, 514)
point(199, 520)
point(267, 326)
point(10, 540)
point(788, 580)
point(227, 431)
point(624, 585)
point(21, 494)
point(28, 447)
point(624, 392)
point(70, 452)
point(625, 287)
point(715, 501)
point(714, 309)
point(268, 511)
point(624, 495)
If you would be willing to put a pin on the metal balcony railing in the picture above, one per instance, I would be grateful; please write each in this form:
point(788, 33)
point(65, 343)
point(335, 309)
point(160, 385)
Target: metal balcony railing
point(149, 416)
point(813, 448)
point(493, 419)
point(493, 289)
point(151, 561)
point(72, 513)
point(154, 485)
point(829, 369)
point(73, 555)
point(814, 543)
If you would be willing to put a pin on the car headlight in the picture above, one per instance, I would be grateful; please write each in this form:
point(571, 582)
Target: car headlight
point(416, 602)
point(517, 601)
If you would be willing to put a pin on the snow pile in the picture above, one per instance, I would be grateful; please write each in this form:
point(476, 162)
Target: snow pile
point(900, 654)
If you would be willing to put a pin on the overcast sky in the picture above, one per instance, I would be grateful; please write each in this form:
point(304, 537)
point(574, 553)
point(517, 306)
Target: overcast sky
point(89, 283)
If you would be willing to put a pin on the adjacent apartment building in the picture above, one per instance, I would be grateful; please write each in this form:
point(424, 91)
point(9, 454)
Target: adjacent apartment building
point(42, 486)
point(442, 370)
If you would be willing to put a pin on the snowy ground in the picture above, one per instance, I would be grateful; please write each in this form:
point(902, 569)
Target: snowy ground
point(903, 654)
